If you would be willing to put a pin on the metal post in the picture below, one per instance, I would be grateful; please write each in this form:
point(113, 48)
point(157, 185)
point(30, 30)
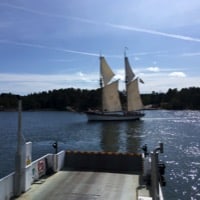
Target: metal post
point(154, 175)
point(19, 133)
point(55, 146)
point(20, 156)
point(154, 170)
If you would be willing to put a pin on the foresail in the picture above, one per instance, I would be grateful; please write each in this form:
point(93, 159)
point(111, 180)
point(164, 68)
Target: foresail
point(111, 101)
point(129, 75)
point(133, 96)
point(106, 72)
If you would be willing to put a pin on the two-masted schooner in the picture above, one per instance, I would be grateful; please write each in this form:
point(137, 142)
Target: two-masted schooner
point(111, 104)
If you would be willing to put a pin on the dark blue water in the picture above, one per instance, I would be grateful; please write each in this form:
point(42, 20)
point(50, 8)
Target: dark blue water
point(178, 130)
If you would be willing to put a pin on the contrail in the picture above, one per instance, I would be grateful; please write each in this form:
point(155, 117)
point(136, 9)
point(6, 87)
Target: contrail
point(118, 26)
point(24, 9)
point(191, 54)
point(49, 15)
point(77, 52)
point(50, 48)
point(31, 45)
point(153, 32)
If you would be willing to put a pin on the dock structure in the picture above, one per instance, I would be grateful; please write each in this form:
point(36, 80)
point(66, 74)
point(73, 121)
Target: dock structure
point(93, 176)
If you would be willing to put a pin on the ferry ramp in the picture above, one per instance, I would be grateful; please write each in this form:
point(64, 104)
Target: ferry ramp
point(92, 176)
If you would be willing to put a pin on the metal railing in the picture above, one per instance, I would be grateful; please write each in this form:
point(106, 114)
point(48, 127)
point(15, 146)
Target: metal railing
point(155, 175)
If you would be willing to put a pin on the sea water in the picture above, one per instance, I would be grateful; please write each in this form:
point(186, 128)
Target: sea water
point(178, 130)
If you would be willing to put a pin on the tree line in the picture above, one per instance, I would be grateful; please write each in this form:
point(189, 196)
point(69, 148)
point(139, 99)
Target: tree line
point(81, 100)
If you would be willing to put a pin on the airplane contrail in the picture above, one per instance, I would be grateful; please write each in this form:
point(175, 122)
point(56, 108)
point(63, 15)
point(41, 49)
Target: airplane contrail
point(153, 32)
point(118, 26)
point(47, 47)
point(49, 15)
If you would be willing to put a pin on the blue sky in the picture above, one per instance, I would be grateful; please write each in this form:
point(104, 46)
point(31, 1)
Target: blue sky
point(47, 44)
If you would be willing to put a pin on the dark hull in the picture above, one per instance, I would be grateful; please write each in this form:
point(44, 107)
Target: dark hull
point(112, 116)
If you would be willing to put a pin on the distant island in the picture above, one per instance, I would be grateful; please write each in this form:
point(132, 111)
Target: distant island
point(81, 100)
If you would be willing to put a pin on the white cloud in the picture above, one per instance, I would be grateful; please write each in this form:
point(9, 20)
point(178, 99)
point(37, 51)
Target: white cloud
point(136, 58)
point(177, 74)
point(28, 83)
point(85, 77)
point(161, 82)
point(153, 69)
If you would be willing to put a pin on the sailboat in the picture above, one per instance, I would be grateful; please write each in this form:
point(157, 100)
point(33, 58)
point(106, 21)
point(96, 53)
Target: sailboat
point(111, 105)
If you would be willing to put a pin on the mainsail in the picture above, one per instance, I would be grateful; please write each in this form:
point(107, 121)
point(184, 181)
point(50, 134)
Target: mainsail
point(111, 101)
point(110, 94)
point(134, 101)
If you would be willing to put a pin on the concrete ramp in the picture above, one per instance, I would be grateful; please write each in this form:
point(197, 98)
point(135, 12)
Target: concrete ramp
point(76, 185)
point(93, 176)
point(104, 162)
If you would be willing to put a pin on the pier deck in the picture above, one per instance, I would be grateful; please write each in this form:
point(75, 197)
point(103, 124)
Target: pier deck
point(82, 185)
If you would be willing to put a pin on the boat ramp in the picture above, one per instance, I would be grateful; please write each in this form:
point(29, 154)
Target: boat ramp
point(77, 175)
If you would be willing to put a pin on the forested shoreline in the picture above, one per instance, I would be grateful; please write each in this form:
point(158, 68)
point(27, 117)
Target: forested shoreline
point(81, 100)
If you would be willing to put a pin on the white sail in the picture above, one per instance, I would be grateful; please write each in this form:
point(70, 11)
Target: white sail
point(111, 101)
point(106, 72)
point(129, 75)
point(134, 101)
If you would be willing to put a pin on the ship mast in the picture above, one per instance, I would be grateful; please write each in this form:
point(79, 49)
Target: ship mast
point(101, 82)
point(126, 79)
